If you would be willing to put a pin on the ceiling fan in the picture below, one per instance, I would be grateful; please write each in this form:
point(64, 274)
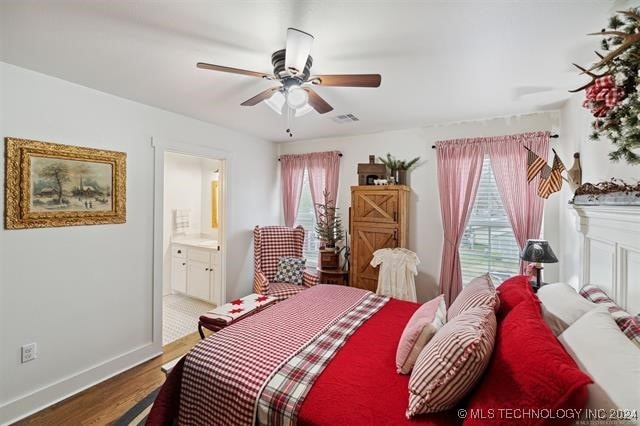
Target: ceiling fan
point(291, 68)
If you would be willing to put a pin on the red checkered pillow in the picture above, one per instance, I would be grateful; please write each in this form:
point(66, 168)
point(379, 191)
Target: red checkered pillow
point(629, 324)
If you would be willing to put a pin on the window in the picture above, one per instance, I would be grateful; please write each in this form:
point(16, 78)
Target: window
point(488, 243)
point(306, 218)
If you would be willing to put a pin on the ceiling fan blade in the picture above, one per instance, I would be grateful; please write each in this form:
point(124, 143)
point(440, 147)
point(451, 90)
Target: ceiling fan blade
point(231, 70)
point(347, 80)
point(317, 102)
point(265, 94)
point(297, 50)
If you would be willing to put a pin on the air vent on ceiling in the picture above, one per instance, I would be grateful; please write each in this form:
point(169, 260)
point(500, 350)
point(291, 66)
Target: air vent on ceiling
point(345, 118)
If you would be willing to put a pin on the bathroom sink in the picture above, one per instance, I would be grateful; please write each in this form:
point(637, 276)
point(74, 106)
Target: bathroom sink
point(209, 243)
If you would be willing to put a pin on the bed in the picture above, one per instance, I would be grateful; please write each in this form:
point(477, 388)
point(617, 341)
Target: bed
point(365, 329)
point(327, 356)
point(242, 374)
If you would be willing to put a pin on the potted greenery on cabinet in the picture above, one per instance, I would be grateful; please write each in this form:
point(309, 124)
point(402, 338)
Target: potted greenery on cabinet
point(398, 168)
point(330, 232)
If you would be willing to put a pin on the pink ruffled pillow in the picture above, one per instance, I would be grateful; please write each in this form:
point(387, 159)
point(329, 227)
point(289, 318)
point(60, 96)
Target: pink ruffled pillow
point(422, 326)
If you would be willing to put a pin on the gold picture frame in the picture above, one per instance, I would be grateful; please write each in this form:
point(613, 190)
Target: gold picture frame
point(49, 184)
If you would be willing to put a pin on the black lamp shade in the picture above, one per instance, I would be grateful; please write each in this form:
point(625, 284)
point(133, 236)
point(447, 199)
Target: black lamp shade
point(538, 251)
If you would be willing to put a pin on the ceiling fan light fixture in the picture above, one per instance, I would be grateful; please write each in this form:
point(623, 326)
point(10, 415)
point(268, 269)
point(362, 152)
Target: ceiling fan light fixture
point(304, 110)
point(276, 102)
point(297, 97)
point(298, 49)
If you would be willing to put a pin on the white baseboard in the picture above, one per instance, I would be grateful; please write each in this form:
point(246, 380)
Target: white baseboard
point(26, 405)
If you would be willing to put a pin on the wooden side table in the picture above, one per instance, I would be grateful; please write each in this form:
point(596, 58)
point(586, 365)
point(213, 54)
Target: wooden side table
point(333, 276)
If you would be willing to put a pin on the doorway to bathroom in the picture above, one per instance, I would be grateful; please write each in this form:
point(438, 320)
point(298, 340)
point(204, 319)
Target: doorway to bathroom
point(193, 272)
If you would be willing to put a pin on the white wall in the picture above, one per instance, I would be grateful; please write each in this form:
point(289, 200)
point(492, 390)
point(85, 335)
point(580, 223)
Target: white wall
point(183, 189)
point(425, 226)
point(84, 294)
point(596, 167)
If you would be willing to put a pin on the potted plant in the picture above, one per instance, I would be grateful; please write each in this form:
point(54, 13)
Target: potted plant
point(329, 230)
point(398, 168)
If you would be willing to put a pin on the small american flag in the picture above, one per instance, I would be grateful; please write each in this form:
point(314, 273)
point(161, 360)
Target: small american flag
point(551, 178)
point(544, 186)
point(534, 165)
point(556, 174)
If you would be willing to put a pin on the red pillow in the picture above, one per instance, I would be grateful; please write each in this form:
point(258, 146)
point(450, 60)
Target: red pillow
point(529, 372)
point(513, 291)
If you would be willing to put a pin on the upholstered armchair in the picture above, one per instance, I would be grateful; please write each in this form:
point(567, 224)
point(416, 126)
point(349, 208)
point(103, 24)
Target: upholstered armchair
point(270, 243)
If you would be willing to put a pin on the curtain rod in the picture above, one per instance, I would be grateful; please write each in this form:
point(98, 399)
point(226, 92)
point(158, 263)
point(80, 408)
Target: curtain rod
point(551, 136)
point(339, 155)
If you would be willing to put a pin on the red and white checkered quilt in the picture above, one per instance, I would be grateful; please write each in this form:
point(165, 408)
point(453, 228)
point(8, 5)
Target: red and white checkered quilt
point(223, 374)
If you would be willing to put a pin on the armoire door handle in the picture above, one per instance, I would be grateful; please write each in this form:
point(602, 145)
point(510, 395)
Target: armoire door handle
point(395, 216)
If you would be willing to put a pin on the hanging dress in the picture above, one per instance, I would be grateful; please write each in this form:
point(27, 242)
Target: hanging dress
point(398, 269)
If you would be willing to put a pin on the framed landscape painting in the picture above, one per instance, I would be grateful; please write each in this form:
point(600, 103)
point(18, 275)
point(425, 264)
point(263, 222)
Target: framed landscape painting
point(50, 184)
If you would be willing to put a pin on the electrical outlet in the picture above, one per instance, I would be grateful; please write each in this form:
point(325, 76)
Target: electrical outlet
point(29, 352)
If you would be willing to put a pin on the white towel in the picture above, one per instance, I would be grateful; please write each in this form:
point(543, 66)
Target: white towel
point(182, 219)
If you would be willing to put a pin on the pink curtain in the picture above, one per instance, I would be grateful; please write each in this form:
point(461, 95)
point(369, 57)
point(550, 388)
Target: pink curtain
point(324, 171)
point(459, 168)
point(292, 170)
point(521, 202)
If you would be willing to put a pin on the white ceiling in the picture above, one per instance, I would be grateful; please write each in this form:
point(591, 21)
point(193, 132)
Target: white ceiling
point(441, 61)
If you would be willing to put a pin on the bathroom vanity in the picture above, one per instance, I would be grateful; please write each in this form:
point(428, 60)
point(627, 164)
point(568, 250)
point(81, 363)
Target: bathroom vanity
point(196, 268)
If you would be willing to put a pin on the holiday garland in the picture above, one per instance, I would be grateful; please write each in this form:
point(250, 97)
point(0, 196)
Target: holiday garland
point(609, 187)
point(612, 95)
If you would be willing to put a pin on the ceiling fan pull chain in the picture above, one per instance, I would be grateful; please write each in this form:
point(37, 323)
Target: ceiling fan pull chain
point(290, 113)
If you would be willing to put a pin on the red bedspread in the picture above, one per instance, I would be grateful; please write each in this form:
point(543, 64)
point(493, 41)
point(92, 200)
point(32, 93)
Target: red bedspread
point(360, 385)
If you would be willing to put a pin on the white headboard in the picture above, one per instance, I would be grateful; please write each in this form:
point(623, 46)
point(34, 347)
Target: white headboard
point(611, 252)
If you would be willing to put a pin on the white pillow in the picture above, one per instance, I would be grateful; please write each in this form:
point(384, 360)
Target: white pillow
point(562, 301)
point(602, 351)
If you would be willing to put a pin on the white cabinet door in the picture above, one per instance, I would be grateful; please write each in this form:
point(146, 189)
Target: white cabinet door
point(178, 275)
point(216, 289)
point(199, 278)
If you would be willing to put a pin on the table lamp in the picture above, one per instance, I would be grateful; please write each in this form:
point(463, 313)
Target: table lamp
point(538, 251)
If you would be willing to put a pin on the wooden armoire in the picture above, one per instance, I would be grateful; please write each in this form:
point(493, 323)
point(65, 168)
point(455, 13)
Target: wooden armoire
point(378, 219)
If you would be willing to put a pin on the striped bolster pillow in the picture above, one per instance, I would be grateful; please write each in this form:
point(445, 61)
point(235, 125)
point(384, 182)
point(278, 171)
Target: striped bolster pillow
point(629, 324)
point(452, 362)
point(479, 292)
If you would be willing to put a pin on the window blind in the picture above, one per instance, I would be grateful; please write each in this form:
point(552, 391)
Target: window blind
point(306, 218)
point(488, 243)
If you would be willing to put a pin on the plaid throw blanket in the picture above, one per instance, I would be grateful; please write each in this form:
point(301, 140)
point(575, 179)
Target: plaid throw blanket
point(223, 374)
point(282, 396)
point(629, 324)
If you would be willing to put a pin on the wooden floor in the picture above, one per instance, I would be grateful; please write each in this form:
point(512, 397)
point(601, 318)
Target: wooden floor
point(106, 402)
